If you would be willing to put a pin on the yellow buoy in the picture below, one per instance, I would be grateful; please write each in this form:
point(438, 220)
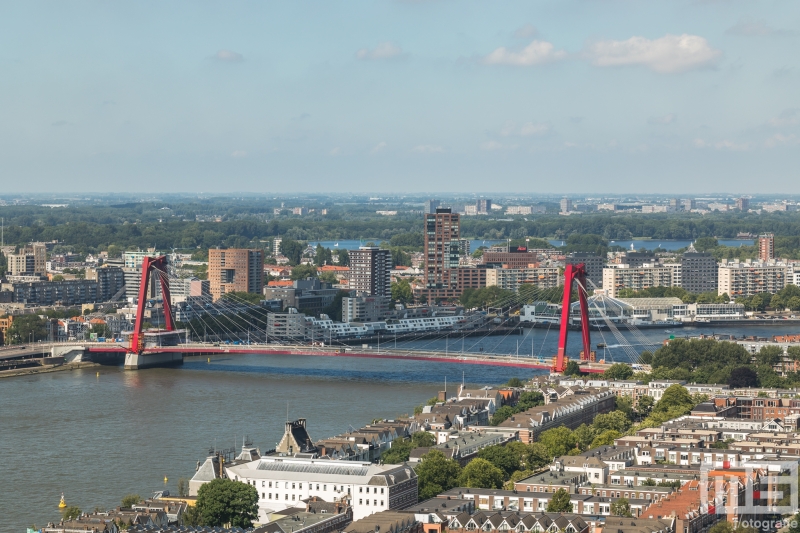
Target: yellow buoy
point(98, 374)
point(62, 503)
point(165, 479)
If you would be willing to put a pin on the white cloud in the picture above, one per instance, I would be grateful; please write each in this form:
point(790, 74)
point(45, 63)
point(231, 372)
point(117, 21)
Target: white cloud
point(721, 145)
point(751, 27)
point(379, 147)
point(385, 50)
point(428, 149)
point(238, 153)
point(536, 53)
point(779, 138)
point(491, 146)
point(527, 31)
point(789, 117)
point(534, 128)
point(528, 129)
point(666, 119)
point(334, 151)
point(671, 53)
point(228, 56)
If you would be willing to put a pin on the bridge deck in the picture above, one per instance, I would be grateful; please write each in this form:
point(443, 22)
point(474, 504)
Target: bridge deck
point(372, 353)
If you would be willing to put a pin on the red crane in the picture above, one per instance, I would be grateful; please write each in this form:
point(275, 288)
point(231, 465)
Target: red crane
point(573, 273)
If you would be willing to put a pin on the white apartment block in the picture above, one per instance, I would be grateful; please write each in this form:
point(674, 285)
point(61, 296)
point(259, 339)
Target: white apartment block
point(658, 209)
point(619, 277)
point(677, 271)
point(513, 278)
point(752, 277)
point(283, 482)
point(519, 210)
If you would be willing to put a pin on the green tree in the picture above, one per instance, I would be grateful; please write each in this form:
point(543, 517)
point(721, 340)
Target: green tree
point(303, 272)
point(436, 473)
point(192, 517)
point(606, 438)
point(500, 415)
point(398, 453)
point(559, 503)
point(621, 507)
point(130, 500)
point(344, 258)
point(506, 458)
point(618, 371)
point(625, 406)
point(529, 399)
point(585, 434)
point(558, 441)
point(515, 383)
point(423, 439)
point(71, 512)
point(224, 501)
point(293, 250)
point(769, 355)
point(242, 296)
point(615, 420)
point(401, 292)
point(645, 405)
point(26, 328)
point(480, 473)
point(572, 368)
point(744, 376)
point(537, 456)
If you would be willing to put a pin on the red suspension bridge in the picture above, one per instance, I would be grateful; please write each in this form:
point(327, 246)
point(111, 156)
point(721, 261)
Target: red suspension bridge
point(142, 354)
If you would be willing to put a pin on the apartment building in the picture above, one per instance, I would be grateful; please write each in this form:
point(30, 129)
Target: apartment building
point(618, 277)
point(766, 247)
point(30, 261)
point(442, 235)
point(235, 270)
point(698, 271)
point(512, 279)
point(370, 271)
point(751, 277)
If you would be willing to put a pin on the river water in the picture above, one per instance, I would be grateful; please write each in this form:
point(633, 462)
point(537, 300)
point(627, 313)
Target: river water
point(99, 437)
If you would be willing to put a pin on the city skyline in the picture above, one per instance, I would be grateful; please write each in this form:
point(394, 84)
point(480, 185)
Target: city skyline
point(692, 96)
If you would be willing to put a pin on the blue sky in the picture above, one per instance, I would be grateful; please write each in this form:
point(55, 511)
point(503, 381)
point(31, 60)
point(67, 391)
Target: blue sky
point(556, 96)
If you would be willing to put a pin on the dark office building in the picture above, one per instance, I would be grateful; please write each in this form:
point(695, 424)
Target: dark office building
point(698, 272)
point(594, 265)
point(637, 259)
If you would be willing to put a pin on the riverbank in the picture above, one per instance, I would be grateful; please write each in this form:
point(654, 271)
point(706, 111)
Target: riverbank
point(46, 369)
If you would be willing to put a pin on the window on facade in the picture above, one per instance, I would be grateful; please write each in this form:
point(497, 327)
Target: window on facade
point(381, 491)
point(292, 497)
point(293, 485)
point(270, 484)
point(360, 489)
point(381, 502)
point(285, 496)
point(367, 502)
point(300, 486)
point(324, 487)
point(262, 496)
point(360, 502)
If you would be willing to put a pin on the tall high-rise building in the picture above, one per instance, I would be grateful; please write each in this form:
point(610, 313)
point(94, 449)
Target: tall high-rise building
point(743, 204)
point(483, 205)
point(698, 271)
point(566, 205)
point(594, 266)
point(675, 203)
point(689, 204)
point(30, 261)
point(235, 270)
point(442, 234)
point(430, 206)
point(766, 246)
point(370, 271)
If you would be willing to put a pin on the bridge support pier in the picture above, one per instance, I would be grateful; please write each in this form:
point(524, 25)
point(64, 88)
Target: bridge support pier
point(136, 361)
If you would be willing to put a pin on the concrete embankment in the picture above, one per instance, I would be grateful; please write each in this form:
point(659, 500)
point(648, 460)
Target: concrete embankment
point(44, 369)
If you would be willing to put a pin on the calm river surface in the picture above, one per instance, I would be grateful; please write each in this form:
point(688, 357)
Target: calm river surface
point(97, 438)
